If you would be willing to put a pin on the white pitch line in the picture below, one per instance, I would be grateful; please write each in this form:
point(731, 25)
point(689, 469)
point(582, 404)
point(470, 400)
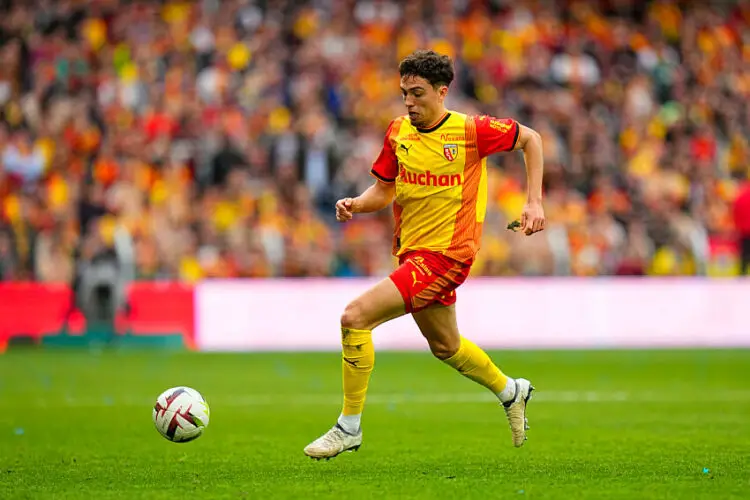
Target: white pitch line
point(552, 396)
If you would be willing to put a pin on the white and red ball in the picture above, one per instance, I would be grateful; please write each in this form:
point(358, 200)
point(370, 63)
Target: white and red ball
point(181, 414)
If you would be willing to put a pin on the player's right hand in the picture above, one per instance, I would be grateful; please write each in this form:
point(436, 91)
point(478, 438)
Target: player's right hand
point(344, 209)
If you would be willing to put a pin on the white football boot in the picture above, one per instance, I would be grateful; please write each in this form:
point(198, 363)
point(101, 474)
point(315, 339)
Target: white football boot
point(333, 442)
point(515, 410)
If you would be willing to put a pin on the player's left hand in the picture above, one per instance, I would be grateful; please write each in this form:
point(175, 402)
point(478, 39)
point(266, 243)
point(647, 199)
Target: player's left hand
point(532, 218)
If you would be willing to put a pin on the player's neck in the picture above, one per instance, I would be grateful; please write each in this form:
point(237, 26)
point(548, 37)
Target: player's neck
point(440, 117)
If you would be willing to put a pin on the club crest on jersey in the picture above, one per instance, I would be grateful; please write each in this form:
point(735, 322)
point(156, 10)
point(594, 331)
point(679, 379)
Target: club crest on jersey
point(450, 151)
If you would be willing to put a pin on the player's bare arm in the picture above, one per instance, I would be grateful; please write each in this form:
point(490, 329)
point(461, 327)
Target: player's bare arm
point(530, 142)
point(376, 197)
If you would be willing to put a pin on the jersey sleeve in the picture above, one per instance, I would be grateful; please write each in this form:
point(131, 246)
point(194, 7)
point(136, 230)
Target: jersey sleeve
point(385, 166)
point(495, 135)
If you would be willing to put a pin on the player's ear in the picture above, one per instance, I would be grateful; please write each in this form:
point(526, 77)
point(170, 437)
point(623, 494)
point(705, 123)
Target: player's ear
point(442, 92)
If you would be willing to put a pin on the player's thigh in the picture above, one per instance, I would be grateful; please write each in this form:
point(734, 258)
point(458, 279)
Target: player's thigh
point(383, 302)
point(439, 326)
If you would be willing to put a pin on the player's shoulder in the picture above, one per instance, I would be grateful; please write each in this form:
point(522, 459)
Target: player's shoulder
point(480, 120)
point(485, 118)
point(457, 115)
point(400, 119)
point(492, 122)
point(395, 125)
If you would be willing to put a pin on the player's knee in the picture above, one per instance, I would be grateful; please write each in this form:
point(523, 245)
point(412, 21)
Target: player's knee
point(353, 317)
point(443, 350)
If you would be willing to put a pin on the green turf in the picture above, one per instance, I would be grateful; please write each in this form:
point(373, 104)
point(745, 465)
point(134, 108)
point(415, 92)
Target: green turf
point(604, 425)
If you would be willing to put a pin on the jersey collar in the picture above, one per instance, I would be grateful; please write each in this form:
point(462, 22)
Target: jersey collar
point(436, 126)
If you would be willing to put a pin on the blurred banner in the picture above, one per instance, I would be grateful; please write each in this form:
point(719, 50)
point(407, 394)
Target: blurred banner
point(299, 315)
point(156, 314)
point(506, 313)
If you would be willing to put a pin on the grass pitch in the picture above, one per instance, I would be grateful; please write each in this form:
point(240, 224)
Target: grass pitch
point(627, 424)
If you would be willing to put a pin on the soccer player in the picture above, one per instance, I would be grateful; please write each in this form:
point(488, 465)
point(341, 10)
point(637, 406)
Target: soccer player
point(433, 168)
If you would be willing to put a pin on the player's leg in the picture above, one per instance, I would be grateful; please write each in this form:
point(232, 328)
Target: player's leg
point(377, 305)
point(439, 326)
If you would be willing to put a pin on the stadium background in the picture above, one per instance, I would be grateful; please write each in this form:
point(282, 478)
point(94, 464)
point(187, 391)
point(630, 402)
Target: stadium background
point(173, 142)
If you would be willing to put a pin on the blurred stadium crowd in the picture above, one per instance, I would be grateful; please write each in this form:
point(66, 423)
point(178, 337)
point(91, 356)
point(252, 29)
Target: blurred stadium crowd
point(211, 138)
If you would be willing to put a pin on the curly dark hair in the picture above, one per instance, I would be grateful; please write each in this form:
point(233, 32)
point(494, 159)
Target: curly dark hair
point(428, 64)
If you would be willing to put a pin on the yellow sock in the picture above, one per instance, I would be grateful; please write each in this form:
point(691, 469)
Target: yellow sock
point(358, 359)
point(472, 362)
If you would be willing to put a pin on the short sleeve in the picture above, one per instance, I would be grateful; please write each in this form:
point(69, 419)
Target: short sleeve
point(495, 135)
point(385, 166)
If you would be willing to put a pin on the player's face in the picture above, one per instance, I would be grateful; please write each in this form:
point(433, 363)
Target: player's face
point(423, 102)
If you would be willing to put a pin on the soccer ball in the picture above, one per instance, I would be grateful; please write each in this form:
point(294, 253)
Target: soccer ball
point(180, 414)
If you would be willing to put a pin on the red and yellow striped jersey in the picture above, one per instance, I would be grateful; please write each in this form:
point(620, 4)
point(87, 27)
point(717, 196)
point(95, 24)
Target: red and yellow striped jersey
point(441, 180)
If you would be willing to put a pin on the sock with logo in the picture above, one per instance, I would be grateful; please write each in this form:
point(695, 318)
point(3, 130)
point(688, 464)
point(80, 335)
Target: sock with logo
point(473, 363)
point(358, 360)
